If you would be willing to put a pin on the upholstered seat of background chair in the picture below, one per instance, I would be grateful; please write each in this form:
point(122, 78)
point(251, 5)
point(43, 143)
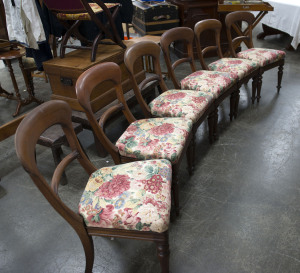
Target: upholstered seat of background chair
point(212, 82)
point(138, 190)
point(155, 138)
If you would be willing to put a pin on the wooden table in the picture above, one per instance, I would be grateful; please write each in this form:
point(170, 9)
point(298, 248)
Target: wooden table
point(263, 9)
point(8, 55)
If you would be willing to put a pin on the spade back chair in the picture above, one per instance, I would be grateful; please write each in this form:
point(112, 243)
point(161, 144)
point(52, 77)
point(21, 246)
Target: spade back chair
point(266, 58)
point(103, 209)
point(71, 13)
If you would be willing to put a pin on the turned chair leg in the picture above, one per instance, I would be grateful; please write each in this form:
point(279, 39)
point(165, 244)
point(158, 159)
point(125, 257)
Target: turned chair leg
point(254, 88)
point(236, 105)
point(210, 120)
point(175, 189)
point(190, 154)
point(163, 254)
point(259, 84)
point(280, 72)
point(216, 117)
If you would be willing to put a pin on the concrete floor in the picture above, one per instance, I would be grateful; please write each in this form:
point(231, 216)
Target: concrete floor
point(240, 210)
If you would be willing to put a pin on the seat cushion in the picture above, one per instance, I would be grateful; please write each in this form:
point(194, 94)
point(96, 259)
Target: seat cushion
point(133, 196)
point(181, 103)
point(84, 16)
point(239, 68)
point(263, 56)
point(155, 138)
point(213, 82)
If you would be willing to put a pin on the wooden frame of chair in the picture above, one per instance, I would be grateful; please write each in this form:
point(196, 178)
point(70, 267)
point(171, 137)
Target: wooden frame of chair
point(84, 87)
point(153, 50)
point(216, 26)
point(246, 37)
point(108, 29)
point(187, 35)
point(28, 132)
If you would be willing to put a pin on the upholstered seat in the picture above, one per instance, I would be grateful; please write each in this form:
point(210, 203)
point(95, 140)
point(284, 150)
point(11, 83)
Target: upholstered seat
point(155, 138)
point(211, 82)
point(132, 196)
point(85, 15)
point(181, 103)
point(263, 56)
point(238, 68)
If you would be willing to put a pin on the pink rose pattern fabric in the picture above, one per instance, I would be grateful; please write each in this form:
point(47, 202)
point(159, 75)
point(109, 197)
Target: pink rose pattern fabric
point(181, 103)
point(263, 56)
point(155, 138)
point(212, 82)
point(238, 68)
point(132, 196)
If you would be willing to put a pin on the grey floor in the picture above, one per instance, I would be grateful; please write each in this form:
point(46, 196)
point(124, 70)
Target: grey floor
point(240, 210)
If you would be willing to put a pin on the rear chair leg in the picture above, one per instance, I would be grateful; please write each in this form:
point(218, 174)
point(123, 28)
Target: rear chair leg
point(280, 72)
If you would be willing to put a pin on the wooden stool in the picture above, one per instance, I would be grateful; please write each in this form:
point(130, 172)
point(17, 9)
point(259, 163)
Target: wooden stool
point(54, 138)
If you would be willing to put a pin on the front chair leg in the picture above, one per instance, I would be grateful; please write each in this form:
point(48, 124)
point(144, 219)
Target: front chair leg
point(163, 254)
point(236, 105)
point(280, 72)
point(190, 154)
point(259, 84)
point(175, 189)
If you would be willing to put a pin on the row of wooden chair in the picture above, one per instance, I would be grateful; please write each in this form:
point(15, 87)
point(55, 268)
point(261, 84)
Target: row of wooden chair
point(133, 200)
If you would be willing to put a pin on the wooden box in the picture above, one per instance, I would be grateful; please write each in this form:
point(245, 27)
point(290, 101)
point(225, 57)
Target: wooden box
point(153, 18)
point(63, 73)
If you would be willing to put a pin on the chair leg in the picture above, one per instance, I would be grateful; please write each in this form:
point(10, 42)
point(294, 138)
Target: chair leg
point(232, 105)
point(216, 117)
point(190, 154)
point(163, 253)
point(236, 104)
point(254, 88)
point(175, 189)
point(280, 72)
point(210, 121)
point(259, 84)
point(88, 246)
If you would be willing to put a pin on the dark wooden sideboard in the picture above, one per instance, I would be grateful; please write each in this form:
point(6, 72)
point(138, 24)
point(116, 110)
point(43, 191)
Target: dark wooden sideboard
point(193, 11)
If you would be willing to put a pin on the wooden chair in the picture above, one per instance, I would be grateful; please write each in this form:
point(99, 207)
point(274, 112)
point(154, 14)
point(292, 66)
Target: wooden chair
point(71, 13)
point(102, 208)
point(266, 58)
point(217, 84)
point(154, 138)
point(242, 70)
point(196, 106)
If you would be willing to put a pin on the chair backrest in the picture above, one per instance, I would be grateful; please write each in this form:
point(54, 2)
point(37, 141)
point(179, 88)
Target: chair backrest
point(26, 137)
point(234, 21)
point(174, 35)
point(73, 6)
point(131, 56)
point(208, 25)
point(85, 85)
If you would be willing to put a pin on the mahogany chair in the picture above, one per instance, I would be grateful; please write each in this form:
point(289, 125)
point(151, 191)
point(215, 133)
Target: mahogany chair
point(219, 85)
point(266, 58)
point(196, 106)
point(71, 13)
point(242, 70)
point(152, 138)
point(105, 203)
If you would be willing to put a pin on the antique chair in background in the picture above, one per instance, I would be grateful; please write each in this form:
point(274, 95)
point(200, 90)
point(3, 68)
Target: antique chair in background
point(71, 13)
point(266, 58)
point(153, 138)
point(242, 70)
point(100, 212)
point(189, 104)
point(217, 84)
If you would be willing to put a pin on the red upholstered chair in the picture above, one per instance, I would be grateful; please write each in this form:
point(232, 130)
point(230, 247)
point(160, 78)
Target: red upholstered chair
point(139, 190)
point(242, 70)
point(71, 13)
point(151, 138)
point(266, 58)
point(219, 85)
point(196, 106)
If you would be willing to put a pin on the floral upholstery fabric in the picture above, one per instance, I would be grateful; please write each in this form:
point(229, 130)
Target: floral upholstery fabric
point(181, 103)
point(155, 138)
point(83, 16)
point(132, 196)
point(263, 56)
point(238, 68)
point(213, 82)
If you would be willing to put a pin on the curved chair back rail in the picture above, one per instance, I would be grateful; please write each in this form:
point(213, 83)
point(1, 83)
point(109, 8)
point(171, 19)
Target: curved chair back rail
point(246, 37)
point(59, 112)
point(185, 34)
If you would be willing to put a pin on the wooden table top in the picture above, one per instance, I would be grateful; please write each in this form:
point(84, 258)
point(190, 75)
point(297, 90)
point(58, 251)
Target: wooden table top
point(10, 54)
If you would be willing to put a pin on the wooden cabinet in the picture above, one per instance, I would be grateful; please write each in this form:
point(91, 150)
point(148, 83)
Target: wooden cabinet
point(193, 11)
